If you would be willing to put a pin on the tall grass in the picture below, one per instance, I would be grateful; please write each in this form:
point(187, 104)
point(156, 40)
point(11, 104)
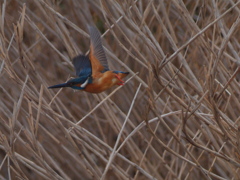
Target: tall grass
point(176, 117)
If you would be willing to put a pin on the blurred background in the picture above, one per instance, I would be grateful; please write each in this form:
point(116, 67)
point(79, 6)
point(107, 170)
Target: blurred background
point(176, 117)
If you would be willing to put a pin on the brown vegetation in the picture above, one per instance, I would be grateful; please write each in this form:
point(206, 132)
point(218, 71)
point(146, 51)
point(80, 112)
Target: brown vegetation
point(177, 116)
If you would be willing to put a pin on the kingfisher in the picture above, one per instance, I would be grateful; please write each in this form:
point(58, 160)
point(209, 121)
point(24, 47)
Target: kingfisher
point(93, 74)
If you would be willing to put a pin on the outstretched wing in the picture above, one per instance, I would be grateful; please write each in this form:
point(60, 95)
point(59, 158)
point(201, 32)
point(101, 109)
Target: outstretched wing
point(97, 55)
point(82, 66)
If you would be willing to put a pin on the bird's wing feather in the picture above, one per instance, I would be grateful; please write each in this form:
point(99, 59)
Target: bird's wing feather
point(82, 66)
point(97, 55)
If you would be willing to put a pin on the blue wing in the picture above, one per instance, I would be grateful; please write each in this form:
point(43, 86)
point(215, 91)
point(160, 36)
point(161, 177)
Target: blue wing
point(82, 66)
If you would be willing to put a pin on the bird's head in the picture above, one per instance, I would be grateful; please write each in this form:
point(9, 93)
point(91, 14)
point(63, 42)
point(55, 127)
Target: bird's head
point(119, 75)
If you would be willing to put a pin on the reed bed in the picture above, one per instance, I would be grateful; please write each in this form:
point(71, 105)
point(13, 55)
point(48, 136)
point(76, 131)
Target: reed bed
point(176, 117)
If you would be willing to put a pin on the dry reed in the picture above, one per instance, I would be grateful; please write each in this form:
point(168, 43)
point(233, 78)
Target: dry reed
point(177, 116)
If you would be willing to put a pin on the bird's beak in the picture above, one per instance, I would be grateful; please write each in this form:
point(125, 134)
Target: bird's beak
point(59, 86)
point(123, 75)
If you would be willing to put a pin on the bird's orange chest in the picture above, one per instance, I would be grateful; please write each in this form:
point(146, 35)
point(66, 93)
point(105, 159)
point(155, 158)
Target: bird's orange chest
point(101, 82)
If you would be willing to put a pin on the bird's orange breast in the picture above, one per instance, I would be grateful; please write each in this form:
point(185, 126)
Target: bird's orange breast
point(102, 82)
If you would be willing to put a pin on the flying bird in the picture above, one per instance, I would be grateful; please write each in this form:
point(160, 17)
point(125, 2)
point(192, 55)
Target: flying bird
point(92, 70)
